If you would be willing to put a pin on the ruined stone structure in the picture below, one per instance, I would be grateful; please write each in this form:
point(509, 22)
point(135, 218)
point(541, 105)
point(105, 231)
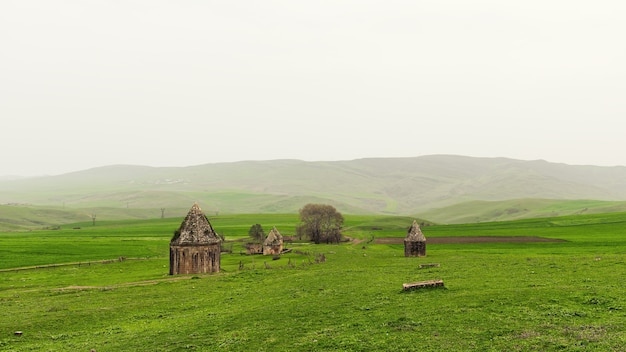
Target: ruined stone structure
point(415, 242)
point(273, 244)
point(254, 248)
point(195, 247)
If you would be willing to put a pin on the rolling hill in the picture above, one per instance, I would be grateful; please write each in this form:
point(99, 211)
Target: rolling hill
point(401, 186)
point(515, 209)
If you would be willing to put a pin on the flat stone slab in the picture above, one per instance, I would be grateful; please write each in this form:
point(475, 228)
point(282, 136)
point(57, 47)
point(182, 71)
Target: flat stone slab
point(422, 284)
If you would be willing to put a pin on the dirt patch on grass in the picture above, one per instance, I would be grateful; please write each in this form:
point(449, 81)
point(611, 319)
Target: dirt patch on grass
point(354, 240)
point(471, 239)
point(74, 287)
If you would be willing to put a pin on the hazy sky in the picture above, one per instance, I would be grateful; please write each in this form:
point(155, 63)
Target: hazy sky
point(177, 83)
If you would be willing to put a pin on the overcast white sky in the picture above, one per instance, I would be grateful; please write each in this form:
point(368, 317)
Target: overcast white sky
point(177, 83)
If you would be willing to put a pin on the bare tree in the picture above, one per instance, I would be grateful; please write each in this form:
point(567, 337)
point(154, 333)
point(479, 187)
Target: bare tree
point(93, 219)
point(320, 223)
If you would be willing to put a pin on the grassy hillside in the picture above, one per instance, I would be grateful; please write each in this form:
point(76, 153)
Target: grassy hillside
point(365, 186)
point(485, 211)
point(497, 296)
point(20, 218)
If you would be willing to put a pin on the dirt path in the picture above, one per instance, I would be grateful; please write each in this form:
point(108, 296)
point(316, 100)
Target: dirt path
point(87, 263)
point(126, 284)
point(354, 240)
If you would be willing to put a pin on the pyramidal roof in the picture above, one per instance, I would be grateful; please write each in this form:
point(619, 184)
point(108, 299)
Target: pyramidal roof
point(195, 229)
point(273, 238)
point(415, 233)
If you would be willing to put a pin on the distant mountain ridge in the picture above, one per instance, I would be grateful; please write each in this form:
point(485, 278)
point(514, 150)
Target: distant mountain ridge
point(402, 186)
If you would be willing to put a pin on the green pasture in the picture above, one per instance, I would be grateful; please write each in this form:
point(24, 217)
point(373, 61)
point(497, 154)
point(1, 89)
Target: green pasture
point(515, 209)
point(548, 296)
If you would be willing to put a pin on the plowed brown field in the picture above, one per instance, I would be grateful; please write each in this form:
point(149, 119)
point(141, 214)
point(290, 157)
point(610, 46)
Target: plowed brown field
point(470, 239)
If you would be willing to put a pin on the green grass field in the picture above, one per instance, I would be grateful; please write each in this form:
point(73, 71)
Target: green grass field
point(565, 296)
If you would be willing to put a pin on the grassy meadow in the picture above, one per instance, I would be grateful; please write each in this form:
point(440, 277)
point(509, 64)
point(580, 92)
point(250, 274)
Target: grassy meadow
point(536, 296)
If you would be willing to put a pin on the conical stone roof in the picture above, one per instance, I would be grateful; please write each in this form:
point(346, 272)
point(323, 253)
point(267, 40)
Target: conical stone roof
point(274, 238)
point(195, 229)
point(415, 234)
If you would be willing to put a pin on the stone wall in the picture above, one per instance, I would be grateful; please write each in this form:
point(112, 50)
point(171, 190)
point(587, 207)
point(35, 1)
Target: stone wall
point(273, 250)
point(414, 248)
point(195, 259)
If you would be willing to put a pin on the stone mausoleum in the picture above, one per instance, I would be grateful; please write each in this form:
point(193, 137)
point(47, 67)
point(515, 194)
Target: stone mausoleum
point(273, 244)
point(415, 242)
point(195, 247)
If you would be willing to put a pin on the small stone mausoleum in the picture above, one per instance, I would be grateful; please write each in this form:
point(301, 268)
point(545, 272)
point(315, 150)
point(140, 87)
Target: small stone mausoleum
point(273, 244)
point(195, 247)
point(415, 242)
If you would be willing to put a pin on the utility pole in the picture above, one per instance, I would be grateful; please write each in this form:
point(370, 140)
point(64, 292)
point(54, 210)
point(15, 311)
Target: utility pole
point(93, 219)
